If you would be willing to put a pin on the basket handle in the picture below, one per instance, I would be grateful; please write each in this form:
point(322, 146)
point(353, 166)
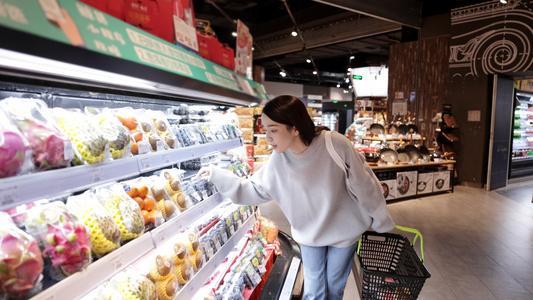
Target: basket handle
point(417, 234)
point(406, 229)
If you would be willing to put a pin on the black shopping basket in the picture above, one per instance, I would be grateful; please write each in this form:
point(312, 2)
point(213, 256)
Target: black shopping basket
point(389, 267)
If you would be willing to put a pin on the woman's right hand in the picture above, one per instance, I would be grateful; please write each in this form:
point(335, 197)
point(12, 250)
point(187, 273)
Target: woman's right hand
point(204, 173)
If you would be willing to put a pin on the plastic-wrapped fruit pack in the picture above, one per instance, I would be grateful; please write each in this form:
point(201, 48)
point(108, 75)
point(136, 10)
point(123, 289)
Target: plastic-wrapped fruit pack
point(163, 275)
point(89, 144)
point(13, 147)
point(52, 148)
point(125, 212)
point(138, 190)
point(64, 240)
point(133, 286)
point(161, 127)
point(113, 131)
point(21, 263)
point(171, 179)
point(163, 202)
point(139, 141)
point(104, 233)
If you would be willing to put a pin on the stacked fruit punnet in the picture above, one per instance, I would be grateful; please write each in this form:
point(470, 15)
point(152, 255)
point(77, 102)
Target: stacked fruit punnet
point(172, 185)
point(161, 127)
point(138, 190)
point(166, 206)
point(136, 134)
point(195, 253)
point(105, 234)
point(124, 211)
point(163, 277)
point(64, 240)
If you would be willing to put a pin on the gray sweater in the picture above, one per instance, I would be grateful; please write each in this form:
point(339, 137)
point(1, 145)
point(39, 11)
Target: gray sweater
point(311, 191)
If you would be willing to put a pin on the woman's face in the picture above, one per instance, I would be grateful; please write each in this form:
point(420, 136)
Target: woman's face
point(279, 136)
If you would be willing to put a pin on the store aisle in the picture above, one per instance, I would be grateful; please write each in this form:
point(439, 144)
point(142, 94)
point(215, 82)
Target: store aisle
point(478, 244)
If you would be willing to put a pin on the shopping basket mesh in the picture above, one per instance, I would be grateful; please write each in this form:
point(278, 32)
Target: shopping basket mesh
point(391, 269)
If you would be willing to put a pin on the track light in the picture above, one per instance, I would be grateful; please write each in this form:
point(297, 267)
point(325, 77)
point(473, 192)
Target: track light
point(352, 57)
point(282, 73)
point(234, 34)
point(350, 86)
point(338, 85)
point(315, 72)
point(347, 80)
point(308, 60)
point(294, 32)
point(503, 1)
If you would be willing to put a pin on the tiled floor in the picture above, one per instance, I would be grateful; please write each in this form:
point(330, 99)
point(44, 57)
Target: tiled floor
point(477, 244)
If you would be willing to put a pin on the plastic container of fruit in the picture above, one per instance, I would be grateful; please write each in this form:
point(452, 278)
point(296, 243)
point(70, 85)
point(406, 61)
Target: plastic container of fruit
point(139, 140)
point(89, 144)
point(124, 210)
point(161, 127)
point(52, 149)
point(104, 233)
point(13, 148)
point(138, 190)
point(64, 240)
point(21, 263)
point(172, 183)
point(117, 135)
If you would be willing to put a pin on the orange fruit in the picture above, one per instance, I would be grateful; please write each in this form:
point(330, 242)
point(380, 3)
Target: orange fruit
point(152, 215)
point(143, 191)
point(121, 119)
point(131, 123)
point(136, 135)
point(149, 203)
point(134, 148)
point(133, 192)
point(146, 216)
point(139, 201)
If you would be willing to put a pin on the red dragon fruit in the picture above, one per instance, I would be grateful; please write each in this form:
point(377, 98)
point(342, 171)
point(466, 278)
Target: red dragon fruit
point(21, 263)
point(12, 152)
point(64, 240)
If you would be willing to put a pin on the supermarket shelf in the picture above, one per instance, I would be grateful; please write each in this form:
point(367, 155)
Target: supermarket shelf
point(405, 165)
point(169, 229)
point(404, 137)
point(80, 283)
point(522, 158)
point(190, 289)
point(523, 148)
point(23, 189)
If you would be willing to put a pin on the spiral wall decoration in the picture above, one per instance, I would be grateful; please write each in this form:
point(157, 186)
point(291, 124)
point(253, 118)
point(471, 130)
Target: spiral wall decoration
point(492, 38)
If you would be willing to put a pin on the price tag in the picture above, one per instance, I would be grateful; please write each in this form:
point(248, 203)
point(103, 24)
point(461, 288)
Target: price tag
point(191, 288)
point(209, 253)
point(117, 262)
point(231, 230)
point(146, 163)
point(224, 235)
point(162, 237)
point(166, 158)
point(68, 153)
point(48, 297)
point(218, 245)
point(97, 175)
point(8, 195)
point(262, 269)
point(192, 153)
point(239, 223)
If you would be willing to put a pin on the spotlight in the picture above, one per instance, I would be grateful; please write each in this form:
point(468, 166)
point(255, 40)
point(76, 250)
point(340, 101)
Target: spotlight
point(338, 85)
point(503, 1)
point(348, 73)
point(347, 80)
point(294, 33)
point(350, 86)
point(315, 72)
point(234, 33)
point(352, 57)
point(308, 60)
point(282, 73)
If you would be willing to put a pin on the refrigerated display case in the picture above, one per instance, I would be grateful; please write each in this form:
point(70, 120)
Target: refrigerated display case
point(522, 143)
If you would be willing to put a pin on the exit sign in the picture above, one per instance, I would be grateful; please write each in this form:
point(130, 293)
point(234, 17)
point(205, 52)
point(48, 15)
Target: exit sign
point(358, 77)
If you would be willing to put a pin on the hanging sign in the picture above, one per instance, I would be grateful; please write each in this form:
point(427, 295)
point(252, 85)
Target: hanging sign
point(243, 53)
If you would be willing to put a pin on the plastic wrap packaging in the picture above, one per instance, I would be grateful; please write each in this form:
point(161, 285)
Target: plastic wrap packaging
point(21, 263)
point(148, 129)
point(89, 145)
point(156, 185)
point(13, 148)
point(104, 233)
point(133, 286)
point(105, 291)
point(64, 240)
point(139, 140)
point(18, 213)
point(161, 127)
point(138, 190)
point(51, 147)
point(124, 210)
point(186, 135)
point(172, 182)
point(163, 274)
point(195, 250)
point(117, 135)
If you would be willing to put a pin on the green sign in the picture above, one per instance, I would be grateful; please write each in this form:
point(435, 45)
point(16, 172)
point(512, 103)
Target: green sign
point(78, 24)
point(358, 77)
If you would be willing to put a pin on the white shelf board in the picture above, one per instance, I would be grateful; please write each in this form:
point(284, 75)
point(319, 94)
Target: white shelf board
point(81, 283)
point(190, 289)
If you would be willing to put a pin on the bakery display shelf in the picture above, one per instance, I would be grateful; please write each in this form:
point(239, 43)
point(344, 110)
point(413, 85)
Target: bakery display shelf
point(23, 189)
point(191, 288)
point(181, 222)
point(407, 165)
point(80, 283)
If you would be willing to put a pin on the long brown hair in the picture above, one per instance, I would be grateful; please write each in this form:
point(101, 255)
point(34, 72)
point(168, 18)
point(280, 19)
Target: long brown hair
point(291, 111)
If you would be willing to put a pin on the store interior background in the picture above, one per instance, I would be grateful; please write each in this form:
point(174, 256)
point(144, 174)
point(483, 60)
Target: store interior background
point(438, 52)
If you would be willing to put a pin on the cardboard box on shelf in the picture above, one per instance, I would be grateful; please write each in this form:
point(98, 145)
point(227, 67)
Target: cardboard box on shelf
point(114, 8)
point(425, 183)
point(441, 181)
point(389, 189)
point(153, 16)
point(406, 183)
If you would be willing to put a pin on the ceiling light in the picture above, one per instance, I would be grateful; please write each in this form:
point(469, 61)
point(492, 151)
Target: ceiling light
point(338, 85)
point(348, 73)
point(253, 48)
point(234, 33)
point(503, 1)
point(308, 60)
point(350, 86)
point(282, 73)
point(315, 72)
point(352, 57)
point(347, 80)
point(294, 33)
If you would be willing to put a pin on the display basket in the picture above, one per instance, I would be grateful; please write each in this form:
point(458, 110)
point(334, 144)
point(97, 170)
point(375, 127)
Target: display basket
point(388, 267)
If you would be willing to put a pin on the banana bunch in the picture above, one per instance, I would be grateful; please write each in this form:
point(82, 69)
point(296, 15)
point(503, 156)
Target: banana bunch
point(85, 137)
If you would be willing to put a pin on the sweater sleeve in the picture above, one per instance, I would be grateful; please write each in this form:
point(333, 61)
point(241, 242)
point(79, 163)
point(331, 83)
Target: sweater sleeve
point(365, 185)
point(240, 190)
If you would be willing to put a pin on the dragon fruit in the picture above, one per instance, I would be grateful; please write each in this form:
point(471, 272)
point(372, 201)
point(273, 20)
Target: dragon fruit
point(12, 152)
point(63, 239)
point(21, 263)
point(52, 148)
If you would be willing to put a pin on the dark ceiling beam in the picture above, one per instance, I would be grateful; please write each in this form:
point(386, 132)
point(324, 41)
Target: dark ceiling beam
point(345, 30)
point(404, 12)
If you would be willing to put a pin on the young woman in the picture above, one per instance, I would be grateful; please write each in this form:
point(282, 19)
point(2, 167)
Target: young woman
point(310, 188)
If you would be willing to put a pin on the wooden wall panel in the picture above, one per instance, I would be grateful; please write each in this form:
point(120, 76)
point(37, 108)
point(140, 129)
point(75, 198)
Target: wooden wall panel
point(402, 75)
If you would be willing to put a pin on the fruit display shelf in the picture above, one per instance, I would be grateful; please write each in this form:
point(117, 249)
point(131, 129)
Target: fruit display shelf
point(81, 283)
point(28, 188)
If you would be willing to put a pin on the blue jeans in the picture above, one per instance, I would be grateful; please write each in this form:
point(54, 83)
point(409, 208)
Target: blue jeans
point(326, 270)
